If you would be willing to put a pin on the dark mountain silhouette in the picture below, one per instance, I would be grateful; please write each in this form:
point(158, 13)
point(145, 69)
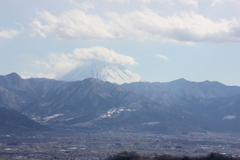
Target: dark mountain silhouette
point(15, 120)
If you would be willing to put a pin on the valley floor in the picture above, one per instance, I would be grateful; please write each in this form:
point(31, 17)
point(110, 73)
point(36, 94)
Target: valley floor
point(92, 145)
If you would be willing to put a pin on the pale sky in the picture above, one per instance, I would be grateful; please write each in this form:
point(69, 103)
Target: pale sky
point(161, 40)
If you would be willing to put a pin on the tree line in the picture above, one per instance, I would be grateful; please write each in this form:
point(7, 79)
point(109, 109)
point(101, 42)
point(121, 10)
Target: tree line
point(125, 155)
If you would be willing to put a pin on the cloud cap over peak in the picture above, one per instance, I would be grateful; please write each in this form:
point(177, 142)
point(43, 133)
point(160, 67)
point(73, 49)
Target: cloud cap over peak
point(60, 63)
point(103, 54)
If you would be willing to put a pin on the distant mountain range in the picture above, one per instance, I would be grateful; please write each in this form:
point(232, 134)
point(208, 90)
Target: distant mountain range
point(175, 107)
point(213, 102)
point(179, 91)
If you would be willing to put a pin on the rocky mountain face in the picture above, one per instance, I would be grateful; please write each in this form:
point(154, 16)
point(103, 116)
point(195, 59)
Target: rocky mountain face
point(174, 107)
point(155, 92)
point(92, 102)
point(8, 99)
point(114, 73)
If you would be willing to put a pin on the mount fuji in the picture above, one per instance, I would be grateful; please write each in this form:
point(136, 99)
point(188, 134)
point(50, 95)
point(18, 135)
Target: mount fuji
point(111, 72)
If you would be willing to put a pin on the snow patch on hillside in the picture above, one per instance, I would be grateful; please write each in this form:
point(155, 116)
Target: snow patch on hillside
point(229, 117)
point(112, 112)
point(51, 117)
point(151, 123)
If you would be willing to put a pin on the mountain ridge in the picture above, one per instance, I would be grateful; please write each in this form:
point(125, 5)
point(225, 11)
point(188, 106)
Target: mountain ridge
point(184, 88)
point(140, 105)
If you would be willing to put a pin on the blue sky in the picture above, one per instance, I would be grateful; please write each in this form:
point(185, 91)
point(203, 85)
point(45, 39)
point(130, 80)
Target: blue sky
point(161, 40)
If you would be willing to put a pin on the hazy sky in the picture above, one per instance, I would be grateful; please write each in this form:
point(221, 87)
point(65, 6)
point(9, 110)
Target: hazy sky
point(161, 40)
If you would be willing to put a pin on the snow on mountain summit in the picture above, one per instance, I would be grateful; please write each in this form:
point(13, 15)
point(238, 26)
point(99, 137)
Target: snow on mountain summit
point(114, 73)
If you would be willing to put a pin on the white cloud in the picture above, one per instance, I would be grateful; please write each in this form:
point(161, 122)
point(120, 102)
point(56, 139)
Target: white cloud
point(22, 27)
point(73, 24)
point(39, 30)
point(193, 3)
point(8, 34)
point(85, 5)
point(60, 63)
point(215, 2)
point(26, 75)
point(162, 57)
point(103, 54)
point(145, 1)
point(182, 27)
point(119, 1)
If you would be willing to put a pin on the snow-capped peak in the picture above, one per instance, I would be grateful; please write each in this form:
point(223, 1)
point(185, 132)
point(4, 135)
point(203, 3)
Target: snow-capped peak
point(105, 71)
